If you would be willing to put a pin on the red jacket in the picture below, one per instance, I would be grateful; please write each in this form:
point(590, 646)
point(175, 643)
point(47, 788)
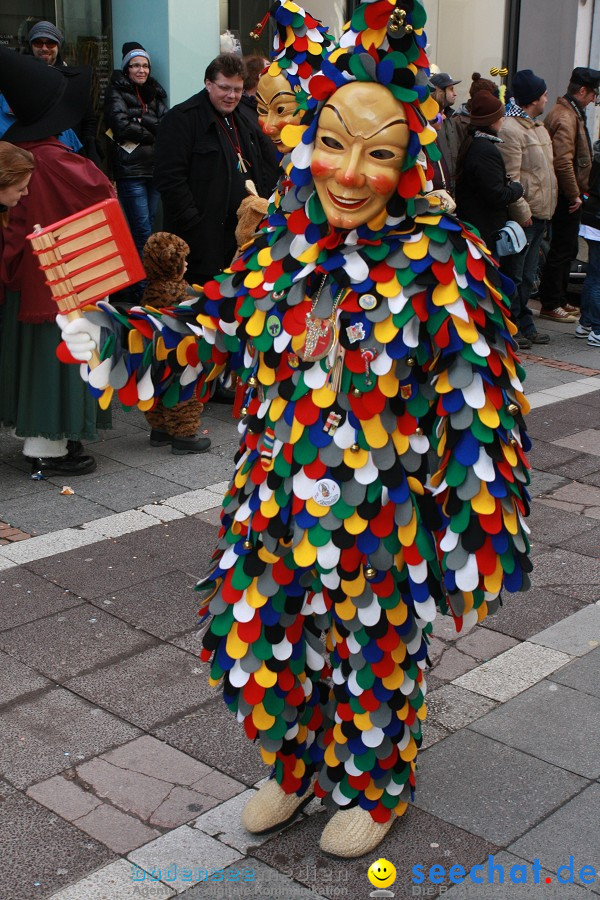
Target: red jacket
point(62, 183)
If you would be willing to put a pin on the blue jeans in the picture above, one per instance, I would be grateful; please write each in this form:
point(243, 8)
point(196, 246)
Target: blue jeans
point(139, 199)
point(590, 295)
point(522, 268)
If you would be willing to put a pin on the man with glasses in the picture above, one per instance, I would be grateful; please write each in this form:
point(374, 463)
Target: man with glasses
point(572, 150)
point(206, 149)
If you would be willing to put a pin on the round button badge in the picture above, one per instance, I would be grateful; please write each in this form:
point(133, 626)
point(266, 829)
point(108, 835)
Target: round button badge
point(327, 492)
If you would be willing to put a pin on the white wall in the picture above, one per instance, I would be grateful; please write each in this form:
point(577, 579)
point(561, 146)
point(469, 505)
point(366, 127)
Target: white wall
point(181, 36)
point(466, 36)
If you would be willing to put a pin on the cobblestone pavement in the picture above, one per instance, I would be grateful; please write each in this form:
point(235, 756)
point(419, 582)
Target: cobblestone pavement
point(117, 760)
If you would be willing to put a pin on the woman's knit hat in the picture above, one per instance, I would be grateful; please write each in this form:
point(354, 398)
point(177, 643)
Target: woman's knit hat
point(482, 84)
point(486, 109)
point(131, 49)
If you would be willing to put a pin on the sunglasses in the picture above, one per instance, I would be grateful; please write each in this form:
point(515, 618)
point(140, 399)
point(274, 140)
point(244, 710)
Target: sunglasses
point(42, 42)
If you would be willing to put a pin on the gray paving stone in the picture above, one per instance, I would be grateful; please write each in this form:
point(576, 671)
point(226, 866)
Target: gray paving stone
point(44, 853)
point(586, 441)
point(415, 838)
point(104, 566)
point(489, 789)
point(14, 484)
point(17, 679)
point(544, 482)
point(194, 470)
point(525, 614)
point(484, 644)
point(454, 707)
point(587, 543)
point(557, 421)
point(224, 823)
point(214, 736)
point(190, 541)
point(73, 641)
point(515, 869)
point(165, 606)
point(581, 674)
point(453, 663)
point(187, 848)
point(575, 635)
point(148, 689)
point(570, 831)
point(566, 572)
point(39, 514)
point(64, 797)
point(252, 879)
point(25, 597)
point(529, 722)
point(114, 882)
point(512, 672)
point(51, 732)
point(129, 488)
point(551, 526)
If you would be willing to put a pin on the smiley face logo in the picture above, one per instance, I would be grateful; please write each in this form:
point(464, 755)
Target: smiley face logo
point(382, 873)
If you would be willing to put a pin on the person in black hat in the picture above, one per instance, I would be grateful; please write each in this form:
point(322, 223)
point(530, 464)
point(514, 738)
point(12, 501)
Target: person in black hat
point(45, 41)
point(445, 83)
point(527, 151)
point(572, 148)
point(39, 399)
point(483, 191)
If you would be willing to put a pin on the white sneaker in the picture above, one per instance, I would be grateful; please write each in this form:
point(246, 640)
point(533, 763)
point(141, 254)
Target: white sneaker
point(582, 331)
point(594, 338)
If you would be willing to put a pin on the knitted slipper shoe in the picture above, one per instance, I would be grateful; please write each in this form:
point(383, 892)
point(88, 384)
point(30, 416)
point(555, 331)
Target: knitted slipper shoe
point(270, 808)
point(352, 832)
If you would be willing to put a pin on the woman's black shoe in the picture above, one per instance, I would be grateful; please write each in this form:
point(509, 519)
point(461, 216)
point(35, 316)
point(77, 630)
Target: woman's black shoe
point(43, 467)
point(159, 438)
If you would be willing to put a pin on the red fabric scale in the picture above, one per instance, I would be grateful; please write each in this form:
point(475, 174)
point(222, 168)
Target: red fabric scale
point(390, 761)
point(377, 15)
point(345, 713)
point(283, 576)
point(444, 272)
point(253, 692)
point(286, 680)
point(383, 523)
point(128, 395)
point(381, 813)
point(315, 469)
point(306, 411)
point(360, 782)
point(250, 729)
point(385, 587)
point(390, 640)
point(249, 632)
point(369, 701)
point(486, 558)
point(384, 667)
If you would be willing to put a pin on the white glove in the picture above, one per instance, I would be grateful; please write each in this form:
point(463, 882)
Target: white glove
point(80, 335)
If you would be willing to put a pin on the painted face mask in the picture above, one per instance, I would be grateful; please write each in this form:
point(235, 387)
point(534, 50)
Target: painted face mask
point(277, 107)
point(360, 148)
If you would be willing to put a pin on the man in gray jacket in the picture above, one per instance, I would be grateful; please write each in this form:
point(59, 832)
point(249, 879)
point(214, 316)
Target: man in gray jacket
point(527, 151)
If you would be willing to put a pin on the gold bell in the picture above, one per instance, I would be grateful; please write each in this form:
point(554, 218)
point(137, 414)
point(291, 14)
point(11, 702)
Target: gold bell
point(355, 448)
point(247, 545)
point(370, 573)
point(356, 392)
point(252, 381)
point(418, 430)
point(513, 409)
point(513, 442)
point(244, 411)
point(410, 360)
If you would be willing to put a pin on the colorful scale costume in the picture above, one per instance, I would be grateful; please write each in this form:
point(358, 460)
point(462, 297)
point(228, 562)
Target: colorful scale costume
point(333, 523)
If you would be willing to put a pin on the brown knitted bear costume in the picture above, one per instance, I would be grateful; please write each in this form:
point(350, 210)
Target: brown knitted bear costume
point(164, 262)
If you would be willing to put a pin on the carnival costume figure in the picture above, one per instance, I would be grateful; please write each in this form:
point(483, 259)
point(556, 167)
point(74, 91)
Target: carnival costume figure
point(381, 472)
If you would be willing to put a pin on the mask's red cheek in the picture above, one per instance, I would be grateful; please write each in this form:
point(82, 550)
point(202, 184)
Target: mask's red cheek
point(385, 183)
point(320, 168)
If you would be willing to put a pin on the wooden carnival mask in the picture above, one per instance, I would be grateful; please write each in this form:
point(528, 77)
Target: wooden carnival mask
point(277, 107)
point(360, 148)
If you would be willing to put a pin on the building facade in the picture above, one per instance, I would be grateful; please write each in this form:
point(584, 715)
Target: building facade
point(182, 36)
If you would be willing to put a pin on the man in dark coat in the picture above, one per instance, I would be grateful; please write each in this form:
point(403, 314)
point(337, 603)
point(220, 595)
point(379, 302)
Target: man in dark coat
point(206, 149)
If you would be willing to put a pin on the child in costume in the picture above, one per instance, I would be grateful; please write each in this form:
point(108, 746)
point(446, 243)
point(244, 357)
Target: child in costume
point(369, 329)
point(164, 261)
